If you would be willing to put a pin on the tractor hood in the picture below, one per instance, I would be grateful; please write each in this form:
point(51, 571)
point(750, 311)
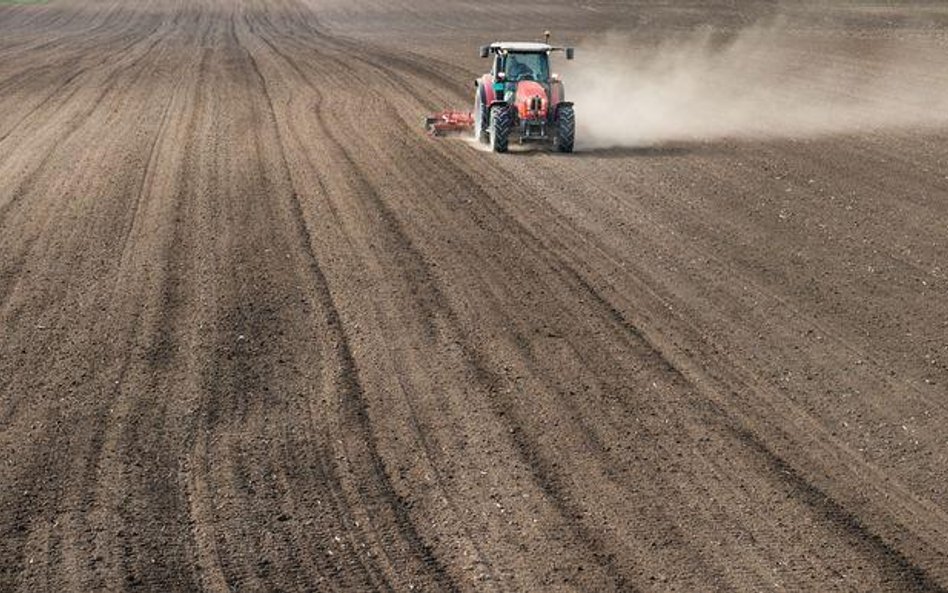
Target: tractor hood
point(531, 100)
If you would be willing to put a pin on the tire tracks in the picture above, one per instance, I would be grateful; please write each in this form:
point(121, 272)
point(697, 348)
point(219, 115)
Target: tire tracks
point(351, 394)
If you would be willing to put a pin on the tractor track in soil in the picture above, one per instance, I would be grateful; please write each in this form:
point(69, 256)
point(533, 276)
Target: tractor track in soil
point(260, 333)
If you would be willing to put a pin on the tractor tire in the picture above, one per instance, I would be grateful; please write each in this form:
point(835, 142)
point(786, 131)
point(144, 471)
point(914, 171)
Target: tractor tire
point(481, 117)
point(500, 122)
point(565, 129)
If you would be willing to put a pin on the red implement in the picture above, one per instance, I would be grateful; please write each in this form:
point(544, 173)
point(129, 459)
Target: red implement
point(449, 122)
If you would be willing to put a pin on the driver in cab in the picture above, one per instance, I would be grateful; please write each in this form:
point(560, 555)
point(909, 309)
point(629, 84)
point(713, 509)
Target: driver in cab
point(517, 70)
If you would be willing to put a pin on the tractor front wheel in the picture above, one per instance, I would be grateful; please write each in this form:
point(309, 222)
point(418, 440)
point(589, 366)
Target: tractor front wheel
point(565, 129)
point(500, 122)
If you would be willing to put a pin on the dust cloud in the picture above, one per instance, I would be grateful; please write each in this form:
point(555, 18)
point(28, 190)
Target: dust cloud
point(759, 83)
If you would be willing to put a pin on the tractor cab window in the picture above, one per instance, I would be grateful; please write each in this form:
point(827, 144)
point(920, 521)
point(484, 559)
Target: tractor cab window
point(533, 66)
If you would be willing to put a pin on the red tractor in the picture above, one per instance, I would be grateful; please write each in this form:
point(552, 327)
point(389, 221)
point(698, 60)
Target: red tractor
point(518, 99)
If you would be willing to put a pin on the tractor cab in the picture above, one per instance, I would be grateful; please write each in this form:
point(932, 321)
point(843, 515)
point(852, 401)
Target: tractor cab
point(516, 66)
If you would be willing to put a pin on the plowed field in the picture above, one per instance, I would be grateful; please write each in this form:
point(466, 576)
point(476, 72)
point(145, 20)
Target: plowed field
point(258, 332)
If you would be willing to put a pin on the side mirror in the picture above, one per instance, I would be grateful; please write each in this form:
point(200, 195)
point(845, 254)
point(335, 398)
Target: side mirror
point(485, 50)
point(569, 53)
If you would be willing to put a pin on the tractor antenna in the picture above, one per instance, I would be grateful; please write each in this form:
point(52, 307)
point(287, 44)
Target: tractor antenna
point(546, 37)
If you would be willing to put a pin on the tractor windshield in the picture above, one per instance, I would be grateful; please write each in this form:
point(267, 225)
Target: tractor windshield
point(527, 66)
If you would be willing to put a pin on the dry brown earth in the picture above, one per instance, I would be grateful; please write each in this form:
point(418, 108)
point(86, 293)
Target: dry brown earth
point(259, 333)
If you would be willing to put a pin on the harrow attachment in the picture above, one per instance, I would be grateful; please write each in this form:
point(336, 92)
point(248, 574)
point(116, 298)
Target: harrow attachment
point(449, 121)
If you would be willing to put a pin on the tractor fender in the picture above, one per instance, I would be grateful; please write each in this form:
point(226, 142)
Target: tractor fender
point(557, 92)
point(486, 85)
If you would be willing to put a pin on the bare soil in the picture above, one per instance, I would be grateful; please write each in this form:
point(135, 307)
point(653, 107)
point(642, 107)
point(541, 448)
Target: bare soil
point(259, 333)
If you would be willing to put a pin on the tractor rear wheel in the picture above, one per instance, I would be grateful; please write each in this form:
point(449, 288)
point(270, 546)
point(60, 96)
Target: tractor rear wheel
point(565, 129)
point(500, 122)
point(481, 117)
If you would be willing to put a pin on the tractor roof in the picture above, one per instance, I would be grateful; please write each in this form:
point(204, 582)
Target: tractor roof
point(520, 46)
